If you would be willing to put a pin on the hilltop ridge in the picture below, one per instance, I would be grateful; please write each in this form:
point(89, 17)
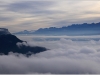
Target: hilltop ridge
point(4, 31)
point(9, 43)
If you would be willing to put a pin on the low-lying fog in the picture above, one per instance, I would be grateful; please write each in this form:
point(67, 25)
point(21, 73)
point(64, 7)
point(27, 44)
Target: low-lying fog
point(66, 55)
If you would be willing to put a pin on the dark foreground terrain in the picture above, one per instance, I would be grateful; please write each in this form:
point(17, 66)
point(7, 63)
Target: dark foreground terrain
point(8, 43)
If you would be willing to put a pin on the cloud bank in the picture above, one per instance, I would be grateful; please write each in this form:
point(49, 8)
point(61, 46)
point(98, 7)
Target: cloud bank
point(64, 57)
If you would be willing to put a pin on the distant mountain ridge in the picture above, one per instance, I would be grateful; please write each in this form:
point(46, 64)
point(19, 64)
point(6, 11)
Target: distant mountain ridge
point(25, 32)
point(74, 29)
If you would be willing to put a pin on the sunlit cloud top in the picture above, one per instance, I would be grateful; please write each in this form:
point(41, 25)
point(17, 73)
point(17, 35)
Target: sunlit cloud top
point(18, 15)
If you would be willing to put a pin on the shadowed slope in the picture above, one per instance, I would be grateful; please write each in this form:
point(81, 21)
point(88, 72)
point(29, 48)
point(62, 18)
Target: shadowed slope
point(8, 44)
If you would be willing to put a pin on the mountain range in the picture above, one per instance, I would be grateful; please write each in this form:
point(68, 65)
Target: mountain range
point(9, 43)
point(74, 29)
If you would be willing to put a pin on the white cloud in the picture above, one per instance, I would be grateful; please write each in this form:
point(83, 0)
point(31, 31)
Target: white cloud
point(64, 56)
point(54, 65)
point(21, 44)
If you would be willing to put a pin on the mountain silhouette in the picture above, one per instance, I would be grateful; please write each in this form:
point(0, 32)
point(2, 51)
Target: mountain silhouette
point(8, 43)
point(74, 29)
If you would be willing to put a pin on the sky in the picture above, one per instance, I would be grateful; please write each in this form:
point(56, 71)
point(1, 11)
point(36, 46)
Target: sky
point(19, 15)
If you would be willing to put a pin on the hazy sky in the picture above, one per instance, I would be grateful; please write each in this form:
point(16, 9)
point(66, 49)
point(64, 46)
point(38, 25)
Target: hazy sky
point(18, 15)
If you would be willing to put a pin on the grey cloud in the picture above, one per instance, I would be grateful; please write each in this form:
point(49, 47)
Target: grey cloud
point(30, 6)
point(25, 24)
point(6, 18)
point(87, 50)
point(61, 23)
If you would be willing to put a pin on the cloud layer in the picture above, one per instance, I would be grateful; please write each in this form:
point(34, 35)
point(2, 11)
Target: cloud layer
point(64, 57)
point(20, 15)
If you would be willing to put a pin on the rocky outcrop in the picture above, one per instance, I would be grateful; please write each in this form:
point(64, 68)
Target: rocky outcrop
point(8, 43)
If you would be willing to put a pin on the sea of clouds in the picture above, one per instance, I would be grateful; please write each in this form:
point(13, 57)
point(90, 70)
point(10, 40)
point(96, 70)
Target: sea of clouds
point(63, 56)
